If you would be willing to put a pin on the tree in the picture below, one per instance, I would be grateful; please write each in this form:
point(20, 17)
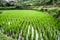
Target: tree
point(0, 2)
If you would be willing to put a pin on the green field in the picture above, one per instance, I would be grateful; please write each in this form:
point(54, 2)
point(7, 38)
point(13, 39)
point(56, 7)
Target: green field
point(29, 24)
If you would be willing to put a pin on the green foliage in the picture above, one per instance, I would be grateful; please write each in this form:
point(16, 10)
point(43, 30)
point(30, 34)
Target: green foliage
point(34, 2)
point(4, 37)
point(55, 12)
point(15, 22)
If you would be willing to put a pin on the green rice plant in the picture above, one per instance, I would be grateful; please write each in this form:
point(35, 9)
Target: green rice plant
point(4, 37)
point(29, 24)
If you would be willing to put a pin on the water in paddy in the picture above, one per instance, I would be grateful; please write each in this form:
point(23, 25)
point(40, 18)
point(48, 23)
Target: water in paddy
point(20, 37)
point(29, 24)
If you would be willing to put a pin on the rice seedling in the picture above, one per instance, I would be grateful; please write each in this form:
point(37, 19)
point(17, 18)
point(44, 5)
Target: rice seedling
point(28, 24)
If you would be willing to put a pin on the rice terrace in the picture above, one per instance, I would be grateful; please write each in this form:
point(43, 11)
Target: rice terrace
point(29, 20)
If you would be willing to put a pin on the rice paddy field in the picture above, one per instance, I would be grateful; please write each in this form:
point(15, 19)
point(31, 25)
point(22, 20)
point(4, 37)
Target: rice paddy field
point(28, 25)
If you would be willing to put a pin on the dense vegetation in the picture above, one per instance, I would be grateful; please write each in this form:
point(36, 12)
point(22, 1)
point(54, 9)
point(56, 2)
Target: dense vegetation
point(28, 4)
point(4, 37)
point(28, 24)
point(29, 19)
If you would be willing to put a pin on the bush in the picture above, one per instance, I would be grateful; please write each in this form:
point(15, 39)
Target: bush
point(18, 7)
point(37, 4)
